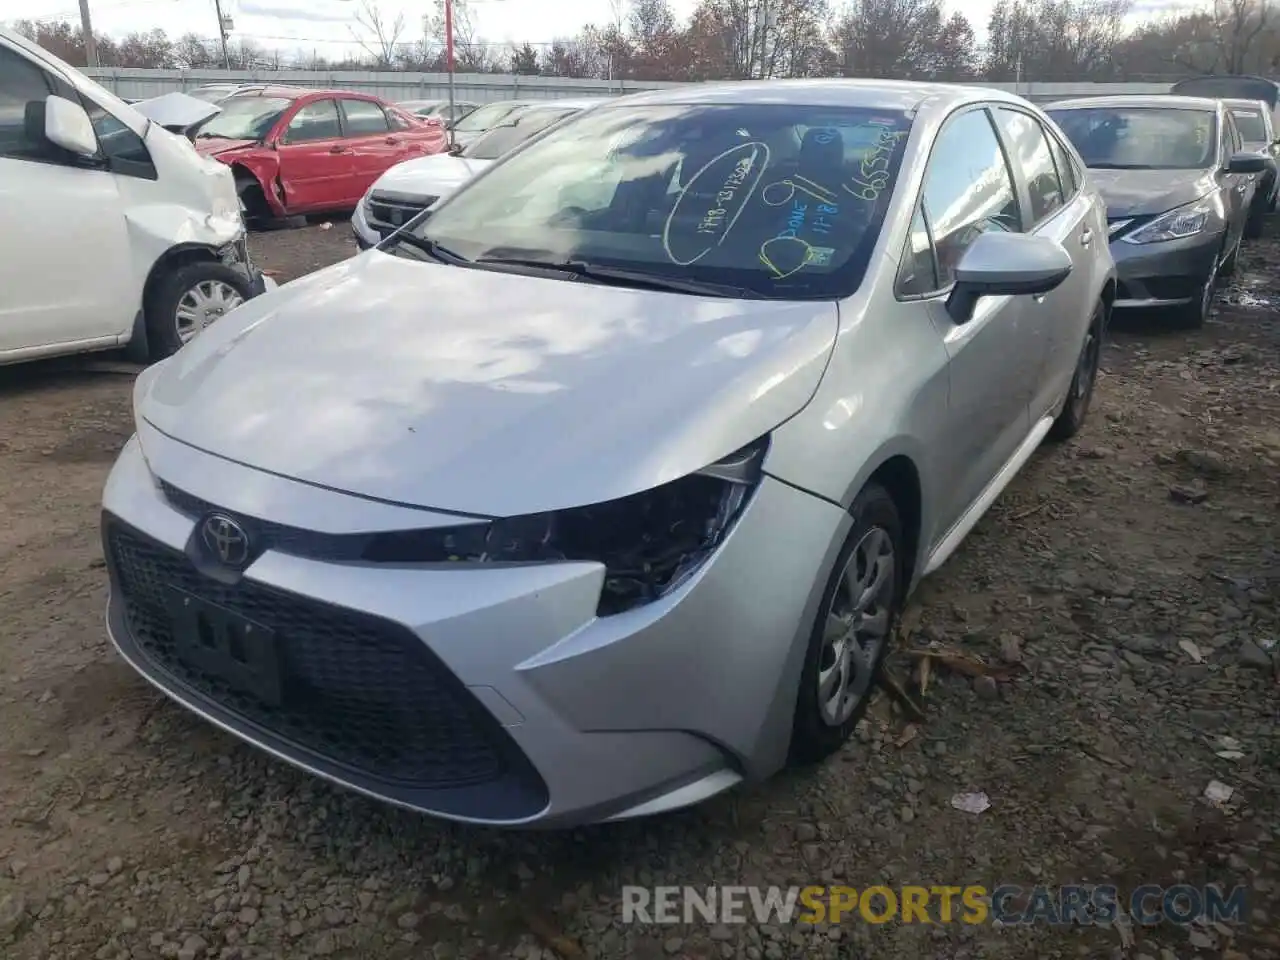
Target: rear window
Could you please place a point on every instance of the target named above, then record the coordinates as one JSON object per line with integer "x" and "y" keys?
{"x": 509, "y": 134}
{"x": 1141, "y": 138}
{"x": 486, "y": 117}
{"x": 781, "y": 199}
{"x": 244, "y": 118}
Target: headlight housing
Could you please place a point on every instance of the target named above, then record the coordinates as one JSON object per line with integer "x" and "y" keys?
{"x": 1177, "y": 224}
{"x": 649, "y": 542}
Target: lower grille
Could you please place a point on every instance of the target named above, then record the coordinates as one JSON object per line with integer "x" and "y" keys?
{"x": 387, "y": 215}
{"x": 360, "y": 692}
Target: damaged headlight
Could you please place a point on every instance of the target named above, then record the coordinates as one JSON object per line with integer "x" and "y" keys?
{"x": 649, "y": 542}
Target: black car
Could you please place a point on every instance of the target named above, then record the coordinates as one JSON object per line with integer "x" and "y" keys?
{"x": 1178, "y": 184}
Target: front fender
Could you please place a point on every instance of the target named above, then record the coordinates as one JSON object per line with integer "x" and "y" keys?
{"x": 265, "y": 168}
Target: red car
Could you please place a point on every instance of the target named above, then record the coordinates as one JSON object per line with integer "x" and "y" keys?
{"x": 296, "y": 150}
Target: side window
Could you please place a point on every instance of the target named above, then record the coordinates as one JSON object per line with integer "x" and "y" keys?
{"x": 918, "y": 274}
{"x": 1224, "y": 139}
{"x": 363, "y": 119}
{"x": 23, "y": 88}
{"x": 968, "y": 190}
{"x": 1032, "y": 156}
{"x": 315, "y": 121}
{"x": 1237, "y": 140}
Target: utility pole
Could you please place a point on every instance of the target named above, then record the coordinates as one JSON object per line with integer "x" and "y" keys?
{"x": 448, "y": 56}
{"x": 90, "y": 41}
{"x": 222, "y": 32}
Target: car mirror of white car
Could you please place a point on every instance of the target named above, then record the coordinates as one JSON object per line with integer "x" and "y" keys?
{"x": 1006, "y": 264}
{"x": 67, "y": 125}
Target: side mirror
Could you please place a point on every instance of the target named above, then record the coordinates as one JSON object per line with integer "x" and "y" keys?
{"x": 1247, "y": 163}
{"x": 1006, "y": 264}
{"x": 67, "y": 125}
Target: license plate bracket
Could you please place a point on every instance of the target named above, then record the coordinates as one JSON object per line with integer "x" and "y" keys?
{"x": 220, "y": 642}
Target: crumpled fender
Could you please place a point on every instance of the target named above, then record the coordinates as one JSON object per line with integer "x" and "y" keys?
{"x": 155, "y": 229}
{"x": 265, "y": 166}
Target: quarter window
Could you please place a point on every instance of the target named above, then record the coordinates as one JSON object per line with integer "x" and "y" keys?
{"x": 968, "y": 190}
{"x": 1033, "y": 157}
{"x": 363, "y": 118}
{"x": 1066, "y": 168}
{"x": 315, "y": 121}
{"x": 918, "y": 274}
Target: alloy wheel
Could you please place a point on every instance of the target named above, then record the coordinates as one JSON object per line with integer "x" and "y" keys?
{"x": 857, "y": 626}
{"x": 202, "y": 305}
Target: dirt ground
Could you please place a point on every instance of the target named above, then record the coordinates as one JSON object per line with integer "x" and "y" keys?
{"x": 1126, "y": 583}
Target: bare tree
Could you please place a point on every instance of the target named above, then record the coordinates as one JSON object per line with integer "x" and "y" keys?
{"x": 378, "y": 35}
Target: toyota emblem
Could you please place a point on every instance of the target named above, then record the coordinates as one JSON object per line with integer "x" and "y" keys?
{"x": 226, "y": 539}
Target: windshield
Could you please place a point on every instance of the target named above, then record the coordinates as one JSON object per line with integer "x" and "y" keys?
{"x": 1141, "y": 138}
{"x": 244, "y": 118}
{"x": 1253, "y": 129}
{"x": 510, "y": 134}
{"x": 486, "y": 117}
{"x": 777, "y": 200}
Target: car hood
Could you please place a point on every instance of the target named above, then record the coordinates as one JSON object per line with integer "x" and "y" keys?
{"x": 432, "y": 176}
{"x": 177, "y": 111}
{"x": 1139, "y": 193}
{"x": 487, "y": 393}
{"x": 214, "y": 146}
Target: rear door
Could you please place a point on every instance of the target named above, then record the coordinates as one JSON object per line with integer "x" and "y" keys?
{"x": 374, "y": 145}
{"x": 317, "y": 166}
{"x": 1059, "y": 211}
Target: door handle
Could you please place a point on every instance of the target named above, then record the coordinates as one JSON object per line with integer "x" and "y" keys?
{"x": 1086, "y": 237}
{"x": 1038, "y": 297}
{"x": 392, "y": 140}
{"x": 338, "y": 149}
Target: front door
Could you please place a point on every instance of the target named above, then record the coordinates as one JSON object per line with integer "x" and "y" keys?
{"x": 995, "y": 357}
{"x": 65, "y": 273}
{"x": 317, "y": 165}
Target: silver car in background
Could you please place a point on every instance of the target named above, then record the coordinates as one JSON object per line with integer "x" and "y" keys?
{"x": 598, "y": 488}
{"x": 1178, "y": 185}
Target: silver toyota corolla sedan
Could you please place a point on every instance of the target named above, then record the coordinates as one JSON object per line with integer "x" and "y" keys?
{"x": 596, "y": 489}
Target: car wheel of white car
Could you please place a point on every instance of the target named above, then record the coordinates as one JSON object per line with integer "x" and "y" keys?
{"x": 858, "y": 613}
{"x": 188, "y": 300}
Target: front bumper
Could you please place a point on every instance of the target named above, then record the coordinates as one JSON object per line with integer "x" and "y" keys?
{"x": 1168, "y": 274}
{"x": 366, "y": 236}
{"x": 484, "y": 695}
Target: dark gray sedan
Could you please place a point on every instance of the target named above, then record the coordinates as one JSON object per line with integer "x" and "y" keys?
{"x": 1178, "y": 185}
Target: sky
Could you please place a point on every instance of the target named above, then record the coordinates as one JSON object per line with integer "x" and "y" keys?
{"x": 326, "y": 26}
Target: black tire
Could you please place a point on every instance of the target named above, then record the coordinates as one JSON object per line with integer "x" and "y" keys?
{"x": 813, "y": 736}
{"x": 253, "y": 203}
{"x": 1257, "y": 222}
{"x": 1229, "y": 265}
{"x": 161, "y": 308}
{"x": 1080, "y": 394}
{"x": 1193, "y": 316}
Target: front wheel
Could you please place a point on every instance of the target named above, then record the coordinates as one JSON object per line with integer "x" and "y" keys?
{"x": 188, "y": 300}
{"x": 1194, "y": 315}
{"x": 854, "y": 626}
{"x": 1080, "y": 394}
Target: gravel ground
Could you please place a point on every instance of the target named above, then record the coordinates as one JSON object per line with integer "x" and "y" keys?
{"x": 1125, "y": 583}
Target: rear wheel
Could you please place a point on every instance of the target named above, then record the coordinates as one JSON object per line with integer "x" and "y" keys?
{"x": 853, "y": 630}
{"x": 1080, "y": 395}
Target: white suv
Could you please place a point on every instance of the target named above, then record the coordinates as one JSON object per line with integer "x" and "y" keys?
{"x": 118, "y": 234}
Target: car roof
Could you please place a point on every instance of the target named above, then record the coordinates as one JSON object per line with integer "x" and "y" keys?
{"x": 836, "y": 92}
{"x": 293, "y": 93}
{"x": 1246, "y": 102}
{"x": 572, "y": 103}
{"x": 1166, "y": 100}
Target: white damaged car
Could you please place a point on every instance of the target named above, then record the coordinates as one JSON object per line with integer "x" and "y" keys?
{"x": 128, "y": 238}
{"x": 408, "y": 188}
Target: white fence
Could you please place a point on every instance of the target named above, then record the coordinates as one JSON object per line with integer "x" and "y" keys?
{"x": 484, "y": 87}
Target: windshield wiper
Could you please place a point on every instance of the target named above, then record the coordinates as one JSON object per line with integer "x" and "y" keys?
{"x": 622, "y": 277}
{"x": 430, "y": 247}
